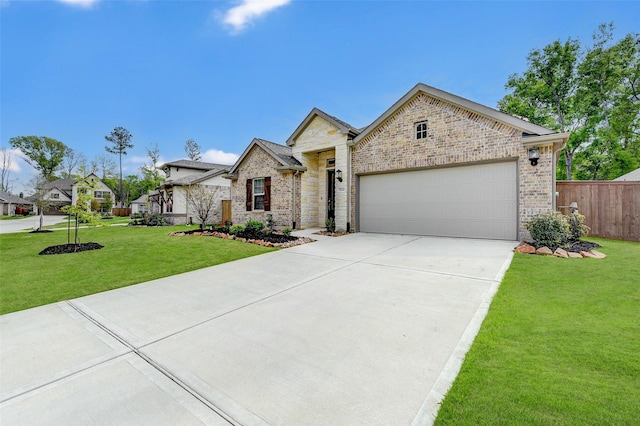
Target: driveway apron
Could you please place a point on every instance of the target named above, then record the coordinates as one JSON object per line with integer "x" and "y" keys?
{"x": 363, "y": 329}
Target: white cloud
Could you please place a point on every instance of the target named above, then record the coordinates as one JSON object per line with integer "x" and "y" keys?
{"x": 240, "y": 16}
{"x": 219, "y": 157}
{"x": 80, "y": 3}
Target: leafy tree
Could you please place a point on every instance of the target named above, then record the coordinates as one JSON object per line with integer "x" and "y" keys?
{"x": 592, "y": 92}
{"x": 545, "y": 92}
{"x": 192, "y": 150}
{"x": 205, "y": 203}
{"x": 120, "y": 140}
{"x": 43, "y": 153}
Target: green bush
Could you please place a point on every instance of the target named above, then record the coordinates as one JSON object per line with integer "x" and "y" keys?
{"x": 154, "y": 219}
{"x": 236, "y": 229}
{"x": 549, "y": 229}
{"x": 286, "y": 231}
{"x": 330, "y": 224}
{"x": 577, "y": 228}
{"x": 254, "y": 226}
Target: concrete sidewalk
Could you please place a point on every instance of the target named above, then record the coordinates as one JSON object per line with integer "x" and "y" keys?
{"x": 361, "y": 329}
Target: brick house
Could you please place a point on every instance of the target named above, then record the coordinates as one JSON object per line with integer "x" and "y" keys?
{"x": 266, "y": 181}
{"x": 432, "y": 164}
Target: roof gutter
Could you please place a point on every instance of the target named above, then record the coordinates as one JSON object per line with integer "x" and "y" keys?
{"x": 291, "y": 168}
{"x": 558, "y": 140}
{"x": 230, "y": 176}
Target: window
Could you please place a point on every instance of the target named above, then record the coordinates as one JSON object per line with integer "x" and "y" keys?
{"x": 258, "y": 194}
{"x": 421, "y": 130}
{"x": 55, "y": 196}
{"x": 331, "y": 163}
{"x": 100, "y": 194}
{"x": 170, "y": 202}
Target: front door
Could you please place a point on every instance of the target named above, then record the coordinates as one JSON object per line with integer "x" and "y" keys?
{"x": 331, "y": 194}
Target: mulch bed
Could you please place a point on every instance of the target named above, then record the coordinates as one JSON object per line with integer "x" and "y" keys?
{"x": 269, "y": 240}
{"x": 40, "y": 231}
{"x": 331, "y": 234}
{"x": 70, "y": 248}
{"x": 574, "y": 246}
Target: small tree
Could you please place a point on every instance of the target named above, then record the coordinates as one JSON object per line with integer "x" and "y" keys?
{"x": 81, "y": 210}
{"x": 204, "y": 202}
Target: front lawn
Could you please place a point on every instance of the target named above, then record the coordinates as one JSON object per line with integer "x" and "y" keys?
{"x": 560, "y": 345}
{"x": 130, "y": 255}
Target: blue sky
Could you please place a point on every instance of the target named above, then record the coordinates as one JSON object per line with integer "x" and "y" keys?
{"x": 224, "y": 72}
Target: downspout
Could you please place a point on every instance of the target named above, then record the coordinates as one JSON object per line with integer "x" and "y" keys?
{"x": 293, "y": 209}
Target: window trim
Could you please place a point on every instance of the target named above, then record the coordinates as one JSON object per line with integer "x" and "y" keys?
{"x": 256, "y": 194}
{"x": 421, "y": 130}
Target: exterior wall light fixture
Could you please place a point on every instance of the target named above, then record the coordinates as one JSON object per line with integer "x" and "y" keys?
{"x": 339, "y": 175}
{"x": 534, "y": 155}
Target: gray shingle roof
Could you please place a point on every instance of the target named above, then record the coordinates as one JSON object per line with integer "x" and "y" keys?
{"x": 61, "y": 184}
{"x": 196, "y": 165}
{"x": 8, "y": 198}
{"x": 631, "y": 176}
{"x": 284, "y": 153}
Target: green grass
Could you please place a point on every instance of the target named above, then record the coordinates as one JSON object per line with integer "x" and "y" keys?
{"x": 108, "y": 222}
{"x": 560, "y": 345}
{"x": 5, "y": 217}
{"x": 130, "y": 255}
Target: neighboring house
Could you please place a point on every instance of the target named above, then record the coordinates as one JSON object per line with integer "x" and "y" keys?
{"x": 10, "y": 204}
{"x": 58, "y": 194}
{"x": 432, "y": 164}
{"x": 140, "y": 205}
{"x": 172, "y": 193}
{"x": 632, "y": 176}
{"x": 64, "y": 192}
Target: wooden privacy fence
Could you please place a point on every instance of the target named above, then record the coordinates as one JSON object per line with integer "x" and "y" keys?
{"x": 611, "y": 209}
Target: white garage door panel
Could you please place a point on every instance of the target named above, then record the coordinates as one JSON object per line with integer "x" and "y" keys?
{"x": 478, "y": 201}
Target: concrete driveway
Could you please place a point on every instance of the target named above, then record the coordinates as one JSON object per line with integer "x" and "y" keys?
{"x": 363, "y": 329}
{"x": 28, "y": 223}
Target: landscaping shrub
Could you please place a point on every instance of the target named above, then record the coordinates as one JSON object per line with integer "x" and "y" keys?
{"x": 549, "y": 229}
{"x": 153, "y": 219}
{"x": 577, "y": 228}
{"x": 330, "y": 224}
{"x": 236, "y": 229}
{"x": 254, "y": 226}
{"x": 286, "y": 231}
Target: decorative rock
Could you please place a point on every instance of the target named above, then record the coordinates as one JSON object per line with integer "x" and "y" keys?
{"x": 525, "y": 248}
{"x": 561, "y": 253}
{"x": 574, "y": 255}
{"x": 178, "y": 234}
{"x": 545, "y": 251}
{"x": 588, "y": 254}
{"x": 196, "y": 234}
{"x": 597, "y": 254}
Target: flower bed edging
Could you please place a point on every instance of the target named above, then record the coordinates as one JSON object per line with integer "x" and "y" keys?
{"x": 297, "y": 242}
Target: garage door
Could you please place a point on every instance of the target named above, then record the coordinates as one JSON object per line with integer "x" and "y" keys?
{"x": 478, "y": 201}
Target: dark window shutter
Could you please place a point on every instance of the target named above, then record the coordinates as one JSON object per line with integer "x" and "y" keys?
{"x": 267, "y": 194}
{"x": 249, "y": 201}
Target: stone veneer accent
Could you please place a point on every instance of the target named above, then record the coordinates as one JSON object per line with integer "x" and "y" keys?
{"x": 319, "y": 141}
{"x": 456, "y": 136}
{"x": 258, "y": 164}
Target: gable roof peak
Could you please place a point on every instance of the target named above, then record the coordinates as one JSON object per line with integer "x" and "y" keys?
{"x": 344, "y": 127}
{"x": 518, "y": 123}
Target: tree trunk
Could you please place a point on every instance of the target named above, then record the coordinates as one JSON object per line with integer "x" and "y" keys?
{"x": 568, "y": 158}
